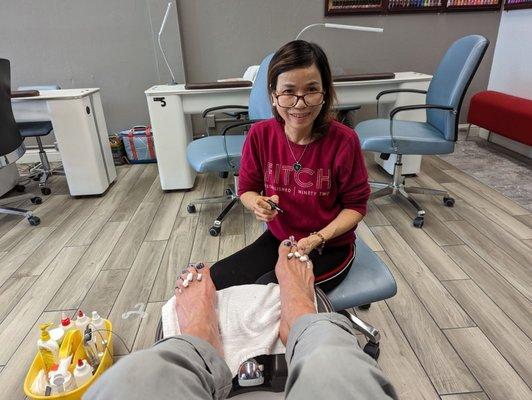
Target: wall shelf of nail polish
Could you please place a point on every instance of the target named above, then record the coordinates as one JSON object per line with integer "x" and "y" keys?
{"x": 412, "y": 6}
{"x": 517, "y": 4}
{"x": 473, "y": 5}
{"x": 348, "y": 7}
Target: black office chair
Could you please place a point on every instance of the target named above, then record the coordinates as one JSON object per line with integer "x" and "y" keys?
{"x": 12, "y": 144}
{"x": 42, "y": 170}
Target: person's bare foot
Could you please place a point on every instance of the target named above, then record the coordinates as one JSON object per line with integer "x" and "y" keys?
{"x": 195, "y": 306}
{"x": 296, "y": 282}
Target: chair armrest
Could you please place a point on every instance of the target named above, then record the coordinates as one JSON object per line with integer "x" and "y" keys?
{"x": 420, "y": 107}
{"x": 384, "y": 92}
{"x": 227, "y": 107}
{"x": 224, "y": 131}
{"x": 414, "y": 107}
{"x": 243, "y": 123}
{"x": 236, "y": 114}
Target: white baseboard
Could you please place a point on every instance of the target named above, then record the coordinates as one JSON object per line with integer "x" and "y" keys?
{"x": 505, "y": 142}
{"x": 32, "y": 156}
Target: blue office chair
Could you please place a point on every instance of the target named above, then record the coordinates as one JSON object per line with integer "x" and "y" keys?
{"x": 12, "y": 144}
{"x": 222, "y": 153}
{"x": 43, "y": 170}
{"x": 436, "y": 136}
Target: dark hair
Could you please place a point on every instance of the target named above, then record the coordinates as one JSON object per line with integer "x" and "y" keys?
{"x": 302, "y": 54}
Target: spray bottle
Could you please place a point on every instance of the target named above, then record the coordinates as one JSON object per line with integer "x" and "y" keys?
{"x": 48, "y": 348}
{"x": 90, "y": 349}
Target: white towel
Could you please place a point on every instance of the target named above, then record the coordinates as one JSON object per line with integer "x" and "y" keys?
{"x": 248, "y": 317}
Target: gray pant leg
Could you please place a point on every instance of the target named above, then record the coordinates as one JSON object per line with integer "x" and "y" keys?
{"x": 326, "y": 362}
{"x": 183, "y": 367}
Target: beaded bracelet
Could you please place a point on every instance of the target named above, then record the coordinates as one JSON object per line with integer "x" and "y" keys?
{"x": 322, "y": 244}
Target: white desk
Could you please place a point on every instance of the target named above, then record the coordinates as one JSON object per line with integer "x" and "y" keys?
{"x": 81, "y": 133}
{"x": 170, "y": 107}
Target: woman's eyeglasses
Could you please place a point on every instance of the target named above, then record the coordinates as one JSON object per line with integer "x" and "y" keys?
{"x": 290, "y": 100}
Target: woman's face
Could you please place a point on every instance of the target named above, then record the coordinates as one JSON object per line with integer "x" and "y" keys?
{"x": 301, "y": 81}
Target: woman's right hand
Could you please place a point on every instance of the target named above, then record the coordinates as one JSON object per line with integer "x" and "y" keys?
{"x": 263, "y": 210}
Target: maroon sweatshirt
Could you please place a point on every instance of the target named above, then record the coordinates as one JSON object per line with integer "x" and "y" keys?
{"x": 332, "y": 177}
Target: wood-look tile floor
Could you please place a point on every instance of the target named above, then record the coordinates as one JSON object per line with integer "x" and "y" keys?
{"x": 459, "y": 328}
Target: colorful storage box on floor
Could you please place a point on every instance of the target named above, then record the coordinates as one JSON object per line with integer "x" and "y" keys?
{"x": 138, "y": 142}
{"x": 79, "y": 352}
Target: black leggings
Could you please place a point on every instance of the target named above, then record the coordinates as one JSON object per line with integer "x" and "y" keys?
{"x": 255, "y": 264}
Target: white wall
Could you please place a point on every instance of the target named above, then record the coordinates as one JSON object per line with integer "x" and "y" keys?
{"x": 511, "y": 71}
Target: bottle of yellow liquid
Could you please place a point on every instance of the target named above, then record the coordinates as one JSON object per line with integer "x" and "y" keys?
{"x": 48, "y": 348}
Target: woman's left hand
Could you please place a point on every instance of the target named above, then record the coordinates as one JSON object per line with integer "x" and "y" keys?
{"x": 307, "y": 244}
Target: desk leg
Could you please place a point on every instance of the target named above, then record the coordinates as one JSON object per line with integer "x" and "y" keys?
{"x": 101, "y": 128}
{"x": 78, "y": 133}
{"x": 411, "y": 163}
{"x": 172, "y": 132}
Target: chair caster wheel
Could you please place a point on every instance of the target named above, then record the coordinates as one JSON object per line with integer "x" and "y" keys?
{"x": 36, "y": 200}
{"x": 215, "y": 230}
{"x": 191, "y": 208}
{"x": 20, "y": 188}
{"x": 365, "y": 306}
{"x": 372, "y": 349}
{"x": 46, "y": 191}
{"x": 448, "y": 201}
{"x": 34, "y": 221}
{"x": 418, "y": 222}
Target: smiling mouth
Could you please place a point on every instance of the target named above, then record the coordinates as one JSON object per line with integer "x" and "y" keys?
{"x": 300, "y": 116}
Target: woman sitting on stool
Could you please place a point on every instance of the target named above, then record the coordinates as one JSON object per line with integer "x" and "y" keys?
{"x": 306, "y": 164}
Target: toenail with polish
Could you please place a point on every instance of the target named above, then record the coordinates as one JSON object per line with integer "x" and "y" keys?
{"x": 297, "y": 254}
{"x": 290, "y": 256}
{"x": 303, "y": 258}
{"x": 199, "y": 277}
{"x": 199, "y": 265}
{"x": 189, "y": 276}
{"x": 185, "y": 283}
